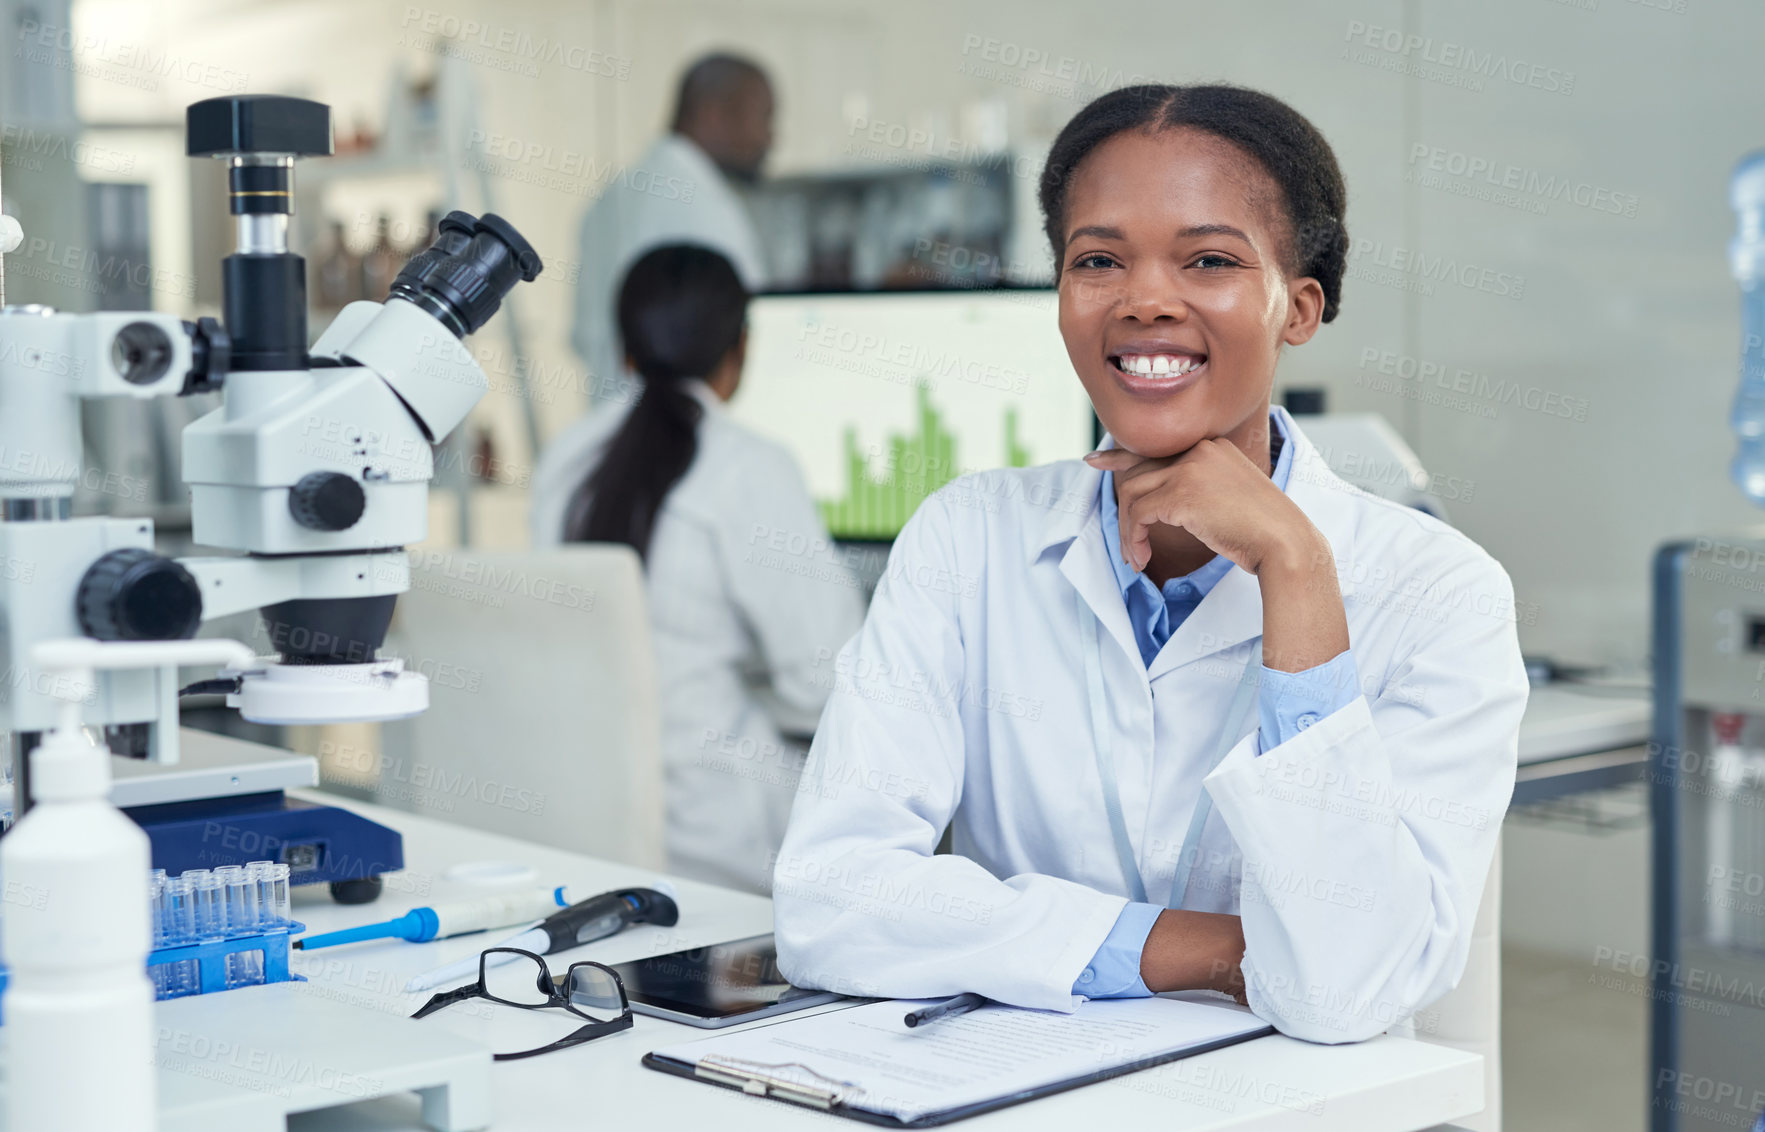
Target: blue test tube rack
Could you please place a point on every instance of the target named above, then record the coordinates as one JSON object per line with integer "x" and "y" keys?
{"x": 230, "y": 929}
{"x": 210, "y": 956}
{"x": 217, "y": 929}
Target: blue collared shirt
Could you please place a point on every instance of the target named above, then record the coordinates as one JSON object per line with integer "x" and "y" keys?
{"x": 1287, "y": 702}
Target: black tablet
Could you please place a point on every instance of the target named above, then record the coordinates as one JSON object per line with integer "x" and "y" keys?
{"x": 718, "y": 985}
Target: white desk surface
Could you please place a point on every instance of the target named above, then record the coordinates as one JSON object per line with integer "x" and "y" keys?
{"x": 1273, "y": 1083}
{"x": 1561, "y": 722}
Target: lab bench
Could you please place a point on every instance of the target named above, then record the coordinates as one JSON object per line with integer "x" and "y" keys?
{"x": 1576, "y": 738}
{"x": 354, "y": 1083}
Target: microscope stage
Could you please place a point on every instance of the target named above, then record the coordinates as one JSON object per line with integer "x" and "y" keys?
{"x": 209, "y": 766}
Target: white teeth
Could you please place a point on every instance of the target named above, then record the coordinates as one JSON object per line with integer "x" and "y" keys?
{"x": 1169, "y": 365}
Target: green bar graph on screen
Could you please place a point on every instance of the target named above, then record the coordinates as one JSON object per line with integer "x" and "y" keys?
{"x": 880, "y": 499}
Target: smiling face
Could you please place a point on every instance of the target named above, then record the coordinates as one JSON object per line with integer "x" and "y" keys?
{"x": 1174, "y": 292}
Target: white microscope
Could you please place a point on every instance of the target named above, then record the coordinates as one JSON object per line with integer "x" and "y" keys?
{"x": 313, "y": 475}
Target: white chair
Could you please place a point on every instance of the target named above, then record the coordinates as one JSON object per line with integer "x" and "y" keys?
{"x": 543, "y": 720}
{"x": 1468, "y": 1017}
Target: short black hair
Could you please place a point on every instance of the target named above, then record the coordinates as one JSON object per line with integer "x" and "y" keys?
{"x": 1287, "y": 147}
{"x": 714, "y": 78}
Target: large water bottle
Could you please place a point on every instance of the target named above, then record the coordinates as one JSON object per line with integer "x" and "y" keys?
{"x": 1746, "y": 255}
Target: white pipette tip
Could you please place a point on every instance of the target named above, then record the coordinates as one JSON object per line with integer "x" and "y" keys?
{"x": 429, "y": 981}
{"x": 666, "y": 889}
{"x": 530, "y": 940}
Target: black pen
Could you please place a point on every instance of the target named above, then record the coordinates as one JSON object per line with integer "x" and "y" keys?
{"x": 960, "y": 1004}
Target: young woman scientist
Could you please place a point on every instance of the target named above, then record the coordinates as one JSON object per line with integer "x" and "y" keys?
{"x": 744, "y": 634}
{"x": 1199, "y": 713}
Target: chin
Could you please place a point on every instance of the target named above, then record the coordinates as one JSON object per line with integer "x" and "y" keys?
{"x": 1156, "y": 443}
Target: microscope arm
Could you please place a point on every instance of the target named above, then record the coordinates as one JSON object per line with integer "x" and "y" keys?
{"x": 240, "y": 583}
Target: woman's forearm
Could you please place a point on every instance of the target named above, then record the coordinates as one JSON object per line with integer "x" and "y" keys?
{"x": 1303, "y": 621}
{"x": 1194, "y": 951}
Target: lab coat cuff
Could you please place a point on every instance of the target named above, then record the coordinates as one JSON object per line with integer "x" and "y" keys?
{"x": 1291, "y": 702}
{"x": 1243, "y": 771}
{"x": 1114, "y": 972}
{"x": 1083, "y": 941}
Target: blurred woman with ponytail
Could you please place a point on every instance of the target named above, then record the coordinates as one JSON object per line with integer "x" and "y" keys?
{"x": 744, "y": 634}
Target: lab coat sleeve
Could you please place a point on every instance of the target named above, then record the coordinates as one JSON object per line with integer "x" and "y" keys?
{"x": 1367, "y": 837}
{"x": 790, "y": 583}
{"x": 861, "y": 903}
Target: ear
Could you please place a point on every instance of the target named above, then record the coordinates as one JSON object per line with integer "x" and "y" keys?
{"x": 1305, "y": 311}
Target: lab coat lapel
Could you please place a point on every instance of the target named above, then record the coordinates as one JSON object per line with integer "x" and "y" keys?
{"x": 1229, "y": 615}
{"x": 1086, "y": 566}
{"x": 1085, "y": 561}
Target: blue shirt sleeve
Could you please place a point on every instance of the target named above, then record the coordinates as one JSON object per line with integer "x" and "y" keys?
{"x": 1114, "y": 972}
{"x": 1290, "y": 702}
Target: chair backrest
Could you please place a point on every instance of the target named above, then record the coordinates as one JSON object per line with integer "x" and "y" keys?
{"x": 543, "y": 720}
{"x": 1468, "y": 1017}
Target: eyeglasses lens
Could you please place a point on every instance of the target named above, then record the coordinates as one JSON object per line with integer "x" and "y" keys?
{"x": 594, "y": 992}
{"x": 516, "y": 982}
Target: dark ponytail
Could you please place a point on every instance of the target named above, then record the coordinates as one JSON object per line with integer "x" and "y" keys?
{"x": 681, "y": 310}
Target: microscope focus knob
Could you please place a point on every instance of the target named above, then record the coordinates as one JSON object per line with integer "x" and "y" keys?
{"x": 327, "y": 501}
{"x": 135, "y": 595}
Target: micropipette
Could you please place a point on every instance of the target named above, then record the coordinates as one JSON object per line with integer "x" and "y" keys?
{"x": 594, "y": 918}
{"x": 441, "y": 921}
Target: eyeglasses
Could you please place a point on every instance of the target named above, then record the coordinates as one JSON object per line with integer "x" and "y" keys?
{"x": 521, "y": 978}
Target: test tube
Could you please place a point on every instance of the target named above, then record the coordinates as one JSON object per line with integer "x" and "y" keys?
{"x": 228, "y": 878}
{"x": 156, "y": 917}
{"x": 211, "y": 908}
{"x": 180, "y": 907}
{"x": 244, "y": 968}
{"x": 242, "y": 901}
{"x": 156, "y": 901}
{"x": 279, "y": 889}
{"x": 257, "y": 874}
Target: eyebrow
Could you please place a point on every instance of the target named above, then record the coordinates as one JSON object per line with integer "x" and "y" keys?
{"x": 1105, "y": 232}
{"x": 1214, "y": 230}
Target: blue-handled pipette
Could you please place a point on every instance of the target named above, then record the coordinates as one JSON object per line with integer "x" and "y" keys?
{"x": 420, "y": 925}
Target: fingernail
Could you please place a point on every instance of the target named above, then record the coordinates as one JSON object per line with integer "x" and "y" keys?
{"x": 1093, "y": 455}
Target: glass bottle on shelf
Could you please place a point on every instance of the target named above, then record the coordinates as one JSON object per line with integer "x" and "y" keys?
{"x": 338, "y": 275}
{"x": 380, "y": 265}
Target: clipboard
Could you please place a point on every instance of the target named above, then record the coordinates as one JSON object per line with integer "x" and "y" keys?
{"x": 802, "y": 1083}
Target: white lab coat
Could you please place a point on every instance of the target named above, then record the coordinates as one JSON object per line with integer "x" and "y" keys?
{"x": 673, "y": 194}
{"x": 1355, "y": 852}
{"x": 749, "y": 604}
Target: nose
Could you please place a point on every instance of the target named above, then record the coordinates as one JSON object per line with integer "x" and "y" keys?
{"x": 1149, "y": 293}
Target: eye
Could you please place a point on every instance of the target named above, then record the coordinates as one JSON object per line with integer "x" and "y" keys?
{"x": 1213, "y": 261}
{"x": 1094, "y": 260}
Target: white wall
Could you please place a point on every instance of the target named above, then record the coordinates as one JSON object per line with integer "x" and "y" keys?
{"x": 1627, "y": 320}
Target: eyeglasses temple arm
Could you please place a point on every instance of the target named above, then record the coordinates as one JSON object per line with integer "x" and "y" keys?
{"x": 448, "y": 998}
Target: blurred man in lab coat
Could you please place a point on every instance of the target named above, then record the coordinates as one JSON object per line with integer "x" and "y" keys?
{"x": 681, "y": 191}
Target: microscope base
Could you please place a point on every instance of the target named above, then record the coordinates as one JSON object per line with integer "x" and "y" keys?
{"x": 224, "y": 803}
{"x": 319, "y": 844}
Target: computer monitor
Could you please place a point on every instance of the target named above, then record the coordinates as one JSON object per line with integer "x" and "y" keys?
{"x": 884, "y": 397}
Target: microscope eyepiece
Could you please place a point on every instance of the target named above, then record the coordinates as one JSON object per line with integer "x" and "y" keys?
{"x": 461, "y": 278}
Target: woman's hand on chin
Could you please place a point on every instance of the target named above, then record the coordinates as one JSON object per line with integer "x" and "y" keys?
{"x": 1215, "y": 493}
